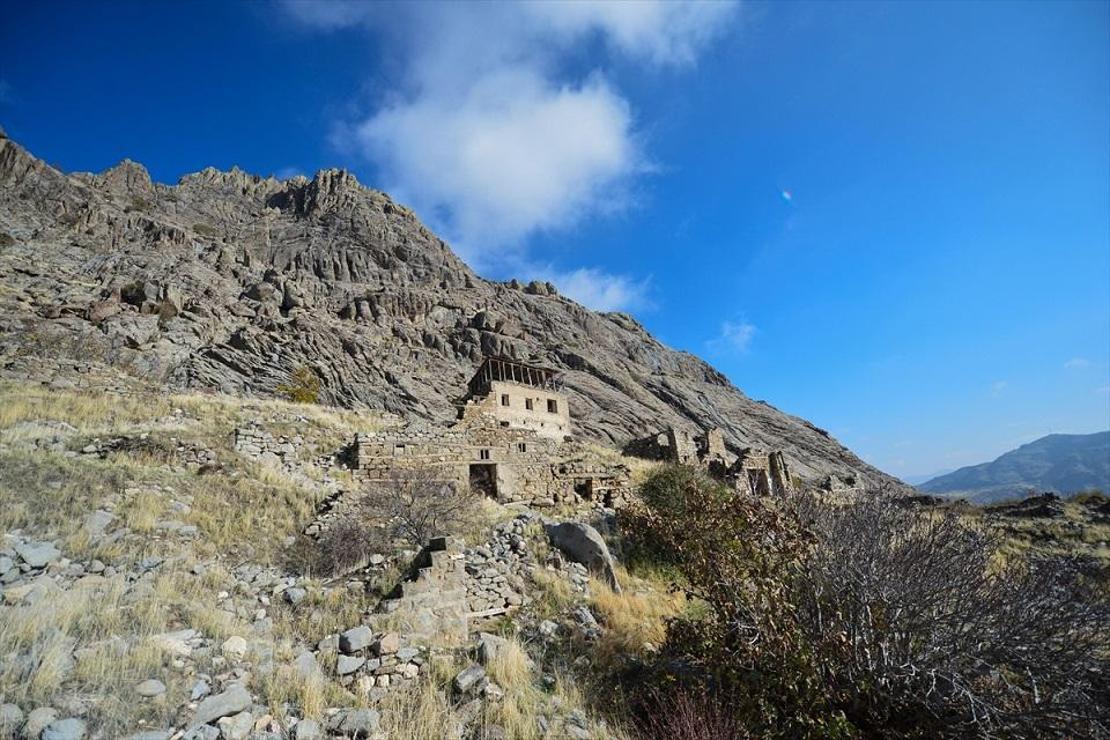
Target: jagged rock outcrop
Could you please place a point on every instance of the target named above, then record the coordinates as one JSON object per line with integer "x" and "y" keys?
{"x": 232, "y": 281}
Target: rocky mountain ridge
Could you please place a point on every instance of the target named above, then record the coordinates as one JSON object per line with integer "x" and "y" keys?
{"x": 231, "y": 281}
{"x": 1057, "y": 463}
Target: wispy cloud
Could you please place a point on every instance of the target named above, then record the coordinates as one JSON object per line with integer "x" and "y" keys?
{"x": 998, "y": 387}
{"x": 1077, "y": 363}
{"x": 487, "y": 132}
{"x": 287, "y": 172}
{"x": 600, "y": 290}
{"x": 735, "y": 336}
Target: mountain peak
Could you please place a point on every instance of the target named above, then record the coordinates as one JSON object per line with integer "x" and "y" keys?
{"x": 232, "y": 281}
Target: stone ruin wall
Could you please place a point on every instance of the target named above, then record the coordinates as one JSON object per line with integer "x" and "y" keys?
{"x": 529, "y": 468}
{"x": 752, "y": 471}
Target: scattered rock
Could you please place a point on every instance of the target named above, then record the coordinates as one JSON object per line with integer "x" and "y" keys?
{"x": 150, "y": 688}
{"x": 234, "y": 647}
{"x": 38, "y": 554}
{"x": 295, "y": 595}
{"x": 469, "y": 679}
{"x": 232, "y": 701}
{"x": 176, "y": 643}
{"x": 307, "y": 729}
{"x": 200, "y": 690}
{"x": 348, "y": 664}
{"x": 356, "y": 639}
{"x": 490, "y": 646}
{"x": 236, "y": 727}
{"x": 65, "y": 729}
{"x": 388, "y": 644}
{"x": 357, "y": 723}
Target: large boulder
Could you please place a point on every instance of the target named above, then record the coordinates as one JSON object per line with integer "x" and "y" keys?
{"x": 583, "y": 544}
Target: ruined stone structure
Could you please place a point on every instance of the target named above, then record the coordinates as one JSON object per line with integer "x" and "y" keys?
{"x": 519, "y": 396}
{"x": 431, "y": 599}
{"x": 753, "y": 471}
{"x": 511, "y": 453}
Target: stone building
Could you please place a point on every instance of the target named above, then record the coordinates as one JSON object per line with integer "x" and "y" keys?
{"x": 753, "y": 471}
{"x": 511, "y": 442}
{"x": 519, "y": 396}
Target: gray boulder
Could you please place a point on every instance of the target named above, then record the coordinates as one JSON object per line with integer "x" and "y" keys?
{"x": 38, "y": 720}
{"x": 38, "y": 554}
{"x": 236, "y": 699}
{"x": 150, "y": 688}
{"x": 490, "y": 646}
{"x": 583, "y": 544}
{"x": 348, "y": 664}
{"x": 11, "y": 717}
{"x": 65, "y": 729}
{"x": 356, "y": 723}
{"x": 469, "y": 680}
{"x": 307, "y": 729}
{"x": 355, "y": 639}
{"x": 236, "y": 727}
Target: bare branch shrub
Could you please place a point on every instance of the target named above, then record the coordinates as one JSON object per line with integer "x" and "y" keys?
{"x": 918, "y": 622}
{"x": 415, "y": 504}
{"x": 681, "y": 714}
{"x": 857, "y": 616}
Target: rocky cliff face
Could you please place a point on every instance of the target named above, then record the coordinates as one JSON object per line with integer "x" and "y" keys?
{"x": 231, "y": 281}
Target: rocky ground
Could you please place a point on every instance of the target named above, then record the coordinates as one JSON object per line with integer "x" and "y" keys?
{"x": 146, "y": 588}
{"x": 233, "y": 282}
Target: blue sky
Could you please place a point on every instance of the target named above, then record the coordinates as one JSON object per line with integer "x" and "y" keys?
{"x": 891, "y": 219}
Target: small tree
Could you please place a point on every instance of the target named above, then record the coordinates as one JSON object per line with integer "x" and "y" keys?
{"x": 415, "y": 504}
{"x": 303, "y": 386}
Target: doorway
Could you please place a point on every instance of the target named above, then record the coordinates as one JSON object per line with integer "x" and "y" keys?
{"x": 483, "y": 479}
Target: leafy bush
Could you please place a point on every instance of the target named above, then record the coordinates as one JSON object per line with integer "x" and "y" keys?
{"x": 863, "y": 617}
{"x": 303, "y": 386}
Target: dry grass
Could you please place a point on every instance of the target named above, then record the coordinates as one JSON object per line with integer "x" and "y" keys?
{"x": 553, "y": 595}
{"x": 636, "y": 618}
{"x": 242, "y": 511}
{"x": 91, "y": 639}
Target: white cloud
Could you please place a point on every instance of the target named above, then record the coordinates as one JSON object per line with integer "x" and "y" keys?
{"x": 1077, "y": 363}
{"x": 998, "y": 387}
{"x": 512, "y": 156}
{"x": 600, "y": 290}
{"x": 736, "y": 336}
{"x": 486, "y": 133}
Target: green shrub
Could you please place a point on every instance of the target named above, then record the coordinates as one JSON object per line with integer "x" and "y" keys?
{"x": 303, "y": 386}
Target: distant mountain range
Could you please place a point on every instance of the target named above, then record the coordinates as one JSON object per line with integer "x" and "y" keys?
{"x": 1061, "y": 463}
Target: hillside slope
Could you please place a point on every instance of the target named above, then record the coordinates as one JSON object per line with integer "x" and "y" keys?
{"x": 1062, "y": 463}
{"x": 231, "y": 281}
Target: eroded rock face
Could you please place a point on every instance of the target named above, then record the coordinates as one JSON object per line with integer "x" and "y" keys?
{"x": 229, "y": 281}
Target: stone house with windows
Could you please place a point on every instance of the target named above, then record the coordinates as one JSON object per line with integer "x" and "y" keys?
{"x": 511, "y": 442}
{"x": 518, "y": 396}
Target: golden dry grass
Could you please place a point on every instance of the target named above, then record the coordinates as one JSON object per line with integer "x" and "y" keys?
{"x": 635, "y": 620}
{"x": 242, "y": 511}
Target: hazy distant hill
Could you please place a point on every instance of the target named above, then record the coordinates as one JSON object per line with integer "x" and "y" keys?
{"x": 1063, "y": 463}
